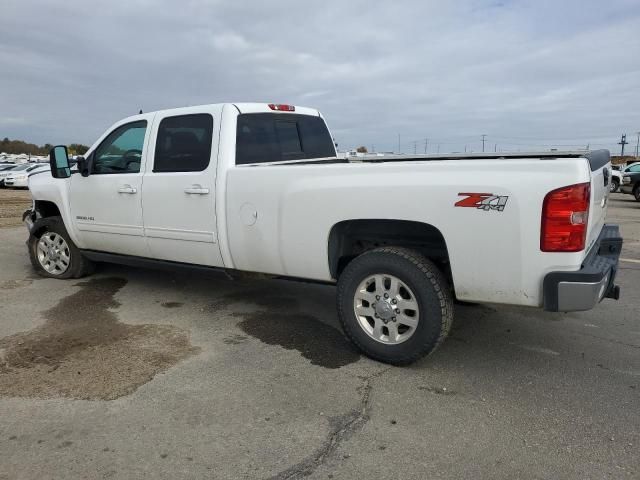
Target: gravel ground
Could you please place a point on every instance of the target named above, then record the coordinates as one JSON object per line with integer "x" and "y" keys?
{"x": 134, "y": 373}
{"x": 12, "y": 203}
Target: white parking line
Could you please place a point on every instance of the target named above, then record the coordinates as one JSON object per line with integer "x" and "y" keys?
{"x": 630, "y": 260}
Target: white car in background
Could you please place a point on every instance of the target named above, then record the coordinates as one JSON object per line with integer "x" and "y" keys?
{"x": 19, "y": 178}
{"x": 4, "y": 173}
{"x": 616, "y": 175}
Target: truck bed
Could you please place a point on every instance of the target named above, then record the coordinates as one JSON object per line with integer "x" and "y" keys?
{"x": 597, "y": 158}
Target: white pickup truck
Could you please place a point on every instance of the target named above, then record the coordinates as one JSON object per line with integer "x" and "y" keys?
{"x": 259, "y": 188}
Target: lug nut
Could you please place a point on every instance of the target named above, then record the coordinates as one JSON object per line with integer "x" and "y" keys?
{"x": 394, "y": 301}
{"x": 386, "y": 295}
{"x": 377, "y": 297}
{"x": 393, "y": 318}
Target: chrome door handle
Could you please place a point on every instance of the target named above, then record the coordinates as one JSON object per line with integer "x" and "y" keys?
{"x": 127, "y": 189}
{"x": 196, "y": 190}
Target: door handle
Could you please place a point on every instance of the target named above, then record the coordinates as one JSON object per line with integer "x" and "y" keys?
{"x": 127, "y": 189}
{"x": 196, "y": 190}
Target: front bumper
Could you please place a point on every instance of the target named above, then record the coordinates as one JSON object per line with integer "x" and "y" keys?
{"x": 582, "y": 290}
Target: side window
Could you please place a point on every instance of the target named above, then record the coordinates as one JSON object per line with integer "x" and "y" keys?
{"x": 184, "y": 143}
{"x": 273, "y": 137}
{"x": 121, "y": 151}
{"x": 634, "y": 168}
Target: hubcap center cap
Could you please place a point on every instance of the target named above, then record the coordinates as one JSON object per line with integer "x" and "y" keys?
{"x": 384, "y": 309}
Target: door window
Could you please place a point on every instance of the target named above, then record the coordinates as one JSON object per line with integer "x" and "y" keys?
{"x": 121, "y": 151}
{"x": 184, "y": 143}
{"x": 634, "y": 168}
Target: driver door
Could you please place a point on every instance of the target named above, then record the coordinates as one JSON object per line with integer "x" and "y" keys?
{"x": 106, "y": 206}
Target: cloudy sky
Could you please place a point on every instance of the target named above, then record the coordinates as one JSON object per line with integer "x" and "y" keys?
{"x": 528, "y": 74}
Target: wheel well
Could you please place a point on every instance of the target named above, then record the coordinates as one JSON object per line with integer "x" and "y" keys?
{"x": 350, "y": 238}
{"x": 46, "y": 209}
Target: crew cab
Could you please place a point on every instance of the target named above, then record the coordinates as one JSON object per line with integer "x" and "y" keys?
{"x": 259, "y": 188}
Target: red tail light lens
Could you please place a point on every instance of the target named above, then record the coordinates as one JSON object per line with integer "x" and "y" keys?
{"x": 282, "y": 108}
{"x": 565, "y": 212}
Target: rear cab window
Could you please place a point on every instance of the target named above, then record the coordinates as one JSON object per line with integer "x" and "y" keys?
{"x": 273, "y": 137}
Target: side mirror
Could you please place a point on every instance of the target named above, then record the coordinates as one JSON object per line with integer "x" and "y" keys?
{"x": 59, "y": 161}
{"x": 83, "y": 166}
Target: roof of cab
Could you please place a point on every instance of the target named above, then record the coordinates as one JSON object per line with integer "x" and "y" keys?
{"x": 264, "y": 108}
{"x": 242, "y": 108}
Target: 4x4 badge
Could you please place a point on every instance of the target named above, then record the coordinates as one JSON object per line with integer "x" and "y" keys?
{"x": 483, "y": 201}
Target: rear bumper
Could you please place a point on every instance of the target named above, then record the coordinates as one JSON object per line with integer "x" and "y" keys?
{"x": 582, "y": 290}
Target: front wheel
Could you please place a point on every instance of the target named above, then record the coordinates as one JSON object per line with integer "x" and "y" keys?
{"x": 394, "y": 304}
{"x": 615, "y": 184}
{"x": 53, "y": 254}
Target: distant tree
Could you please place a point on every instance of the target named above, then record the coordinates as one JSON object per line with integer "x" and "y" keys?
{"x": 77, "y": 149}
{"x": 20, "y": 146}
{"x": 362, "y": 149}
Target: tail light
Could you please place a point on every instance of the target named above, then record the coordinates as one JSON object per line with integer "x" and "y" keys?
{"x": 565, "y": 212}
{"x": 282, "y": 108}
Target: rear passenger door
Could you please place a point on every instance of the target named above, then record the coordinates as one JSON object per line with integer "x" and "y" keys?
{"x": 179, "y": 188}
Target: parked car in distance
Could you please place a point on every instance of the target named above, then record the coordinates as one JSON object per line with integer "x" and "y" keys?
{"x": 617, "y": 173}
{"x": 631, "y": 182}
{"x": 12, "y": 169}
{"x": 259, "y": 187}
{"x": 20, "y": 178}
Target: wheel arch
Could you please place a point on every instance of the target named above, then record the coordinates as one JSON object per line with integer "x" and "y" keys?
{"x": 350, "y": 238}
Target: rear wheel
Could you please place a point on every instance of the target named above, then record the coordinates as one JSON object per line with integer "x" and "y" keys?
{"x": 394, "y": 304}
{"x": 53, "y": 254}
{"x": 636, "y": 192}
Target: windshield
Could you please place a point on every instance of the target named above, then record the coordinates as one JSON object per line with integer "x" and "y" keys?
{"x": 19, "y": 167}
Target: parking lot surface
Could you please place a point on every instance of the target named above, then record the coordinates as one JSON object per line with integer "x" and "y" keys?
{"x": 136, "y": 373}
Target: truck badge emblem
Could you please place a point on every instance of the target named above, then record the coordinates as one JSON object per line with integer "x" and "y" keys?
{"x": 483, "y": 201}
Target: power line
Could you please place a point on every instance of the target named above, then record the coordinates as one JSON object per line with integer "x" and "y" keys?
{"x": 623, "y": 142}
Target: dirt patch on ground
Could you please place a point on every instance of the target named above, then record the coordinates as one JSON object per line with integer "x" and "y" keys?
{"x": 12, "y": 205}
{"x": 83, "y": 351}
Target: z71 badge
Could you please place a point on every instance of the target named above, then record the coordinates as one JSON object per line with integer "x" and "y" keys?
{"x": 483, "y": 201}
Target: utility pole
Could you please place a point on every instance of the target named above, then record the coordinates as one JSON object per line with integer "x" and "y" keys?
{"x": 399, "y": 150}
{"x": 495, "y": 147}
{"x": 438, "y": 148}
{"x": 484, "y": 135}
{"x": 623, "y": 142}
{"x": 415, "y": 147}
{"x": 426, "y": 144}
{"x": 638, "y": 146}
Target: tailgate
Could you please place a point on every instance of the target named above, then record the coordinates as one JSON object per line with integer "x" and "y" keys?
{"x": 600, "y": 164}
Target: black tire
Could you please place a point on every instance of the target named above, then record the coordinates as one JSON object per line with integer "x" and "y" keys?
{"x": 615, "y": 185}
{"x": 79, "y": 265}
{"x": 636, "y": 192}
{"x": 428, "y": 285}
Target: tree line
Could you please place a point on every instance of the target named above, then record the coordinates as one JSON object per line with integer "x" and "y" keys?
{"x": 20, "y": 146}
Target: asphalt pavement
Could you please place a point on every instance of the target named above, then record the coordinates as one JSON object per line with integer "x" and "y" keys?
{"x": 136, "y": 373}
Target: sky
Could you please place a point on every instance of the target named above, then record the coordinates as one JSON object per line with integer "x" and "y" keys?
{"x": 530, "y": 75}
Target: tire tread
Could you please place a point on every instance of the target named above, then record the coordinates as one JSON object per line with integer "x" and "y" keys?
{"x": 437, "y": 281}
